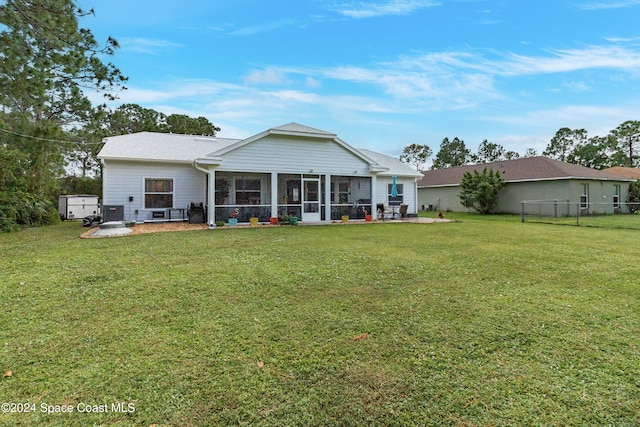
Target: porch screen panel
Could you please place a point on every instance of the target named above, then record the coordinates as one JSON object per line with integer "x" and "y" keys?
{"x": 248, "y": 191}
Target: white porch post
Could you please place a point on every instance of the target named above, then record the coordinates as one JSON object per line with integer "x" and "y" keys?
{"x": 274, "y": 194}
{"x": 415, "y": 186}
{"x": 374, "y": 202}
{"x": 211, "y": 209}
{"x": 327, "y": 197}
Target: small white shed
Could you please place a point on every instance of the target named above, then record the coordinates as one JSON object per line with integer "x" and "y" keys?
{"x": 77, "y": 206}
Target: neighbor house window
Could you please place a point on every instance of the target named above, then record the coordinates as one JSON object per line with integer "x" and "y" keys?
{"x": 247, "y": 191}
{"x": 584, "y": 197}
{"x": 393, "y": 201}
{"x": 616, "y": 196}
{"x": 158, "y": 193}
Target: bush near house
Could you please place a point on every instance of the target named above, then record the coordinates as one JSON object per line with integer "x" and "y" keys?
{"x": 634, "y": 197}
{"x": 480, "y": 190}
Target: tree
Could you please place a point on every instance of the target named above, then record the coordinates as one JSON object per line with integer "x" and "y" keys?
{"x": 531, "y": 152}
{"x": 627, "y": 136}
{"x": 489, "y": 152}
{"x": 183, "y": 124}
{"x": 451, "y": 154}
{"x": 511, "y": 155}
{"x": 597, "y": 152}
{"x": 634, "y": 197}
{"x": 47, "y": 63}
{"x": 132, "y": 118}
{"x": 416, "y": 155}
{"x": 564, "y": 142}
{"x": 480, "y": 190}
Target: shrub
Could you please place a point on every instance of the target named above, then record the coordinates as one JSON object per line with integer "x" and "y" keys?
{"x": 634, "y": 197}
{"x": 480, "y": 190}
{"x": 20, "y": 209}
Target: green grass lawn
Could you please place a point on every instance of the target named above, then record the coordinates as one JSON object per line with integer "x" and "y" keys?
{"x": 482, "y": 322}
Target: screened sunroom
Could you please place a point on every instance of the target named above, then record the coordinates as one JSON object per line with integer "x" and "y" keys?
{"x": 305, "y": 196}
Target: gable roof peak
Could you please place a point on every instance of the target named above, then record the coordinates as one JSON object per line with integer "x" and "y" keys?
{"x": 296, "y": 128}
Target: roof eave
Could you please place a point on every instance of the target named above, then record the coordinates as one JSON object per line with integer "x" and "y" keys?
{"x": 305, "y": 134}
{"x": 209, "y": 161}
{"x": 144, "y": 159}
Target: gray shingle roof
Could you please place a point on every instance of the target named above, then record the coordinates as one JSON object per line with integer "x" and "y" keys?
{"x": 524, "y": 169}
{"x": 623, "y": 171}
{"x": 161, "y": 147}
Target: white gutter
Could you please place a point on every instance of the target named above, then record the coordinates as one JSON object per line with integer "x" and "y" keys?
{"x": 200, "y": 168}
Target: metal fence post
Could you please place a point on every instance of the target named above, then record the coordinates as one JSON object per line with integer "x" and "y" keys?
{"x": 522, "y": 211}
{"x": 578, "y": 214}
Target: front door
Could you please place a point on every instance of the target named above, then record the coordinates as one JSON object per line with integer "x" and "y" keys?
{"x": 311, "y": 199}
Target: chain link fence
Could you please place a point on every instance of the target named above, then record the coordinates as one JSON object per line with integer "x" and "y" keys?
{"x": 583, "y": 213}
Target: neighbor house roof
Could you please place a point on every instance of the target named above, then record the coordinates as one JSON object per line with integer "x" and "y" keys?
{"x": 518, "y": 170}
{"x": 626, "y": 172}
{"x": 159, "y": 147}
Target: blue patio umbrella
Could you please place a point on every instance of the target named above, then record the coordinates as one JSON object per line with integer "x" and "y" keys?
{"x": 394, "y": 188}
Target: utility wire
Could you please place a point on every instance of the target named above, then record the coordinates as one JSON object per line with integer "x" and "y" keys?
{"x": 45, "y": 139}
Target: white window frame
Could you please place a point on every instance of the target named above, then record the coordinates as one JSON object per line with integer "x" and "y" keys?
{"x": 616, "y": 196}
{"x": 145, "y": 192}
{"x": 584, "y": 197}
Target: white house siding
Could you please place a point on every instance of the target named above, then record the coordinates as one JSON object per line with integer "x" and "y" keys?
{"x": 290, "y": 155}
{"x": 122, "y": 179}
{"x": 409, "y": 193}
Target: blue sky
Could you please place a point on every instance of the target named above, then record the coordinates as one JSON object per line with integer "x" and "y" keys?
{"x": 383, "y": 74}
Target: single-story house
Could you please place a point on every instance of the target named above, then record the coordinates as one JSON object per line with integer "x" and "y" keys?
{"x": 292, "y": 170}
{"x": 553, "y": 187}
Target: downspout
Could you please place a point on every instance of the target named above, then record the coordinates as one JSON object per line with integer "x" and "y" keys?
{"x": 210, "y": 206}
{"x": 200, "y": 168}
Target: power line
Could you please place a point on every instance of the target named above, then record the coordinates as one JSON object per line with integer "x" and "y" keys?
{"x": 44, "y": 139}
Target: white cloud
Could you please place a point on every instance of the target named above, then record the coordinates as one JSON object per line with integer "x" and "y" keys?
{"x": 383, "y": 8}
{"x": 270, "y": 76}
{"x": 265, "y": 27}
{"x": 148, "y": 46}
{"x": 609, "y": 5}
{"x": 566, "y": 60}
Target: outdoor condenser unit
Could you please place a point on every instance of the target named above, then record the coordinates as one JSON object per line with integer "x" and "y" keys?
{"x": 112, "y": 213}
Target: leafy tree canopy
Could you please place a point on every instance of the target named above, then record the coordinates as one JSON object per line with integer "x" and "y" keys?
{"x": 47, "y": 64}
{"x": 416, "y": 155}
{"x": 627, "y": 138}
{"x": 452, "y": 153}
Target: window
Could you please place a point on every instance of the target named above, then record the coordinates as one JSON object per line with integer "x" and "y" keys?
{"x": 158, "y": 193}
{"x": 395, "y": 201}
{"x": 616, "y": 196}
{"x": 584, "y": 197}
{"x": 247, "y": 191}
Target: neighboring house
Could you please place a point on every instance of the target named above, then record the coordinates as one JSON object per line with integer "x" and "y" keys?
{"x": 531, "y": 179}
{"x": 288, "y": 170}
